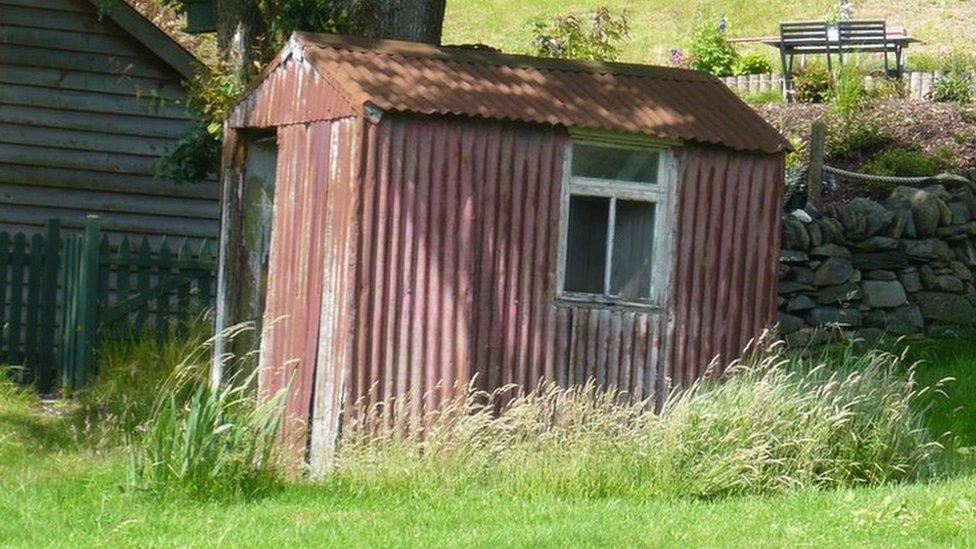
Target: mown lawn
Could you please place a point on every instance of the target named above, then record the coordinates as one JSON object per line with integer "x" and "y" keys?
{"x": 55, "y": 492}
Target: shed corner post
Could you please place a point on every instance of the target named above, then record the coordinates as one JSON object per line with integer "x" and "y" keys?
{"x": 227, "y": 252}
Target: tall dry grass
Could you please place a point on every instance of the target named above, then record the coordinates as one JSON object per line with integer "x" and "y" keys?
{"x": 775, "y": 423}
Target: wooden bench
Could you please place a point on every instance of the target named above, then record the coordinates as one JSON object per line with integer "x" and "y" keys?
{"x": 854, "y": 36}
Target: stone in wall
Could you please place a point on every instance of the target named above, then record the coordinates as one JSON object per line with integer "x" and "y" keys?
{"x": 867, "y": 267}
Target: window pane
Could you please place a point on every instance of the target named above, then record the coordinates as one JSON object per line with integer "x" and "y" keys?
{"x": 633, "y": 247}
{"x": 618, "y": 164}
{"x": 586, "y": 245}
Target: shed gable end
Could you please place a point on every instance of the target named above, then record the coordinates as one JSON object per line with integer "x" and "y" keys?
{"x": 291, "y": 91}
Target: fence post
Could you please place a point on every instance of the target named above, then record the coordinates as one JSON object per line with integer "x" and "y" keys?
{"x": 818, "y": 138}
{"x": 80, "y": 304}
{"x": 49, "y": 287}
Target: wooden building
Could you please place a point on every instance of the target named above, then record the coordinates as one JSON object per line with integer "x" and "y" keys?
{"x": 88, "y": 102}
{"x": 436, "y": 215}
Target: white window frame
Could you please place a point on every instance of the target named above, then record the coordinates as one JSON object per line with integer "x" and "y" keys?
{"x": 662, "y": 194}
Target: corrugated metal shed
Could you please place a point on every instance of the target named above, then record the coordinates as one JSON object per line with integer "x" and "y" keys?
{"x": 430, "y": 243}
{"x": 87, "y": 105}
{"x": 661, "y": 101}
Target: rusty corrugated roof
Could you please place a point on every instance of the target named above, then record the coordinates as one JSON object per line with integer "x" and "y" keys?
{"x": 419, "y": 78}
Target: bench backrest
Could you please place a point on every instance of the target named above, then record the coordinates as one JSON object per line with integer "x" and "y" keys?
{"x": 815, "y": 36}
{"x": 802, "y": 35}
{"x": 862, "y": 33}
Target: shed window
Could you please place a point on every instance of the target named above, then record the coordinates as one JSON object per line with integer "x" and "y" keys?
{"x": 616, "y": 224}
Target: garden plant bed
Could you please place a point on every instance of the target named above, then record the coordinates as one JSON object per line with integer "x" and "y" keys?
{"x": 932, "y": 127}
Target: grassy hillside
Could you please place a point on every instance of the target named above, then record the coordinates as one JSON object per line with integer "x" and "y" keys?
{"x": 658, "y": 25}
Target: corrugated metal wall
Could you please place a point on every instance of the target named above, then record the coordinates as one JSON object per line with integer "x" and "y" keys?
{"x": 727, "y": 250}
{"x": 454, "y": 263}
{"x": 456, "y": 266}
{"x": 85, "y": 110}
{"x": 283, "y": 97}
{"x": 313, "y": 224}
{"x": 429, "y": 258}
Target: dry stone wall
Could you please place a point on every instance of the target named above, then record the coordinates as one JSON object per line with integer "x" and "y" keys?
{"x": 895, "y": 267}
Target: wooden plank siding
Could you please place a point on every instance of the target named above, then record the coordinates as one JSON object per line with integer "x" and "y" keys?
{"x": 85, "y": 111}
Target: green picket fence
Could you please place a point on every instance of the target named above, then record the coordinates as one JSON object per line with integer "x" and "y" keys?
{"x": 133, "y": 287}
{"x": 28, "y": 301}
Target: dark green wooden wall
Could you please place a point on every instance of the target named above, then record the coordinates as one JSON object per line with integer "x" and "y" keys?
{"x": 85, "y": 110}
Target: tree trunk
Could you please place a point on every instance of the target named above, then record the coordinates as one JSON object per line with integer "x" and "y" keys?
{"x": 414, "y": 20}
{"x": 240, "y": 34}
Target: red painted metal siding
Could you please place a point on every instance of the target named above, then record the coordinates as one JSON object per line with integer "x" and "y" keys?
{"x": 313, "y": 198}
{"x": 457, "y": 245}
{"x": 421, "y": 252}
{"x": 456, "y": 266}
{"x": 291, "y": 91}
{"x": 726, "y": 252}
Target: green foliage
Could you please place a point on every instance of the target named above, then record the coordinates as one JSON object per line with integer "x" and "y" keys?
{"x": 848, "y": 93}
{"x": 753, "y": 63}
{"x": 194, "y": 158}
{"x": 208, "y": 442}
{"x": 954, "y": 60}
{"x": 284, "y": 17}
{"x": 887, "y": 88}
{"x": 854, "y": 140}
{"x": 210, "y": 95}
{"x": 710, "y": 51}
{"x": 764, "y": 97}
{"x": 775, "y": 424}
{"x": 954, "y": 87}
{"x": 132, "y": 367}
{"x": 909, "y": 162}
{"x": 594, "y": 36}
{"x": 811, "y": 84}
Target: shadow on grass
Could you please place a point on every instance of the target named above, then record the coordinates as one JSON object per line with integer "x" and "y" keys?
{"x": 37, "y": 432}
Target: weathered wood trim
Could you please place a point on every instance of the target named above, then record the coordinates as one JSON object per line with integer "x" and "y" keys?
{"x": 153, "y": 38}
{"x": 662, "y": 194}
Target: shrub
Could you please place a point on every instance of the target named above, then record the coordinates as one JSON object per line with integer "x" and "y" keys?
{"x": 887, "y": 88}
{"x": 850, "y": 140}
{"x": 594, "y": 36}
{"x": 774, "y": 424}
{"x": 753, "y": 63}
{"x": 132, "y": 367}
{"x": 711, "y": 52}
{"x": 848, "y": 92}
{"x": 210, "y": 95}
{"x": 909, "y": 162}
{"x": 954, "y": 87}
{"x": 811, "y": 84}
{"x": 208, "y": 442}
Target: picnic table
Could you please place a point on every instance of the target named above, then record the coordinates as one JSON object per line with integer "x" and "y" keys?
{"x": 836, "y": 38}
